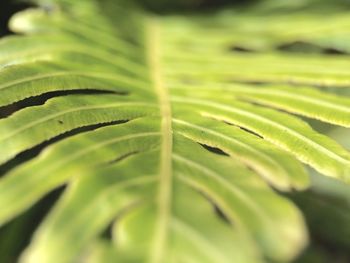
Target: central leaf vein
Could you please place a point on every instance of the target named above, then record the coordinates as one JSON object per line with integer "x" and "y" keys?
{"x": 165, "y": 173}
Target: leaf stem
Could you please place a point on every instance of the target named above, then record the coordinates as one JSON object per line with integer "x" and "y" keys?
{"x": 165, "y": 173}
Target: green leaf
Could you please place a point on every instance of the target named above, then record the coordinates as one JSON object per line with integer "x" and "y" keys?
{"x": 146, "y": 122}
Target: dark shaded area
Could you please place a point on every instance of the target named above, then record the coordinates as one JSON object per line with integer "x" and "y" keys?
{"x": 24, "y": 227}
{"x": 214, "y": 150}
{"x": 217, "y": 209}
{"x": 188, "y": 5}
{"x": 123, "y": 157}
{"x": 251, "y": 132}
{"x": 7, "y": 9}
{"x": 8, "y": 110}
{"x": 328, "y": 220}
{"x": 246, "y": 130}
{"x": 240, "y": 49}
{"x": 221, "y": 214}
{"x": 305, "y": 47}
{"x": 107, "y": 233}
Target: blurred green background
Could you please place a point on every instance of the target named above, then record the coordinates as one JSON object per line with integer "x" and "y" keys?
{"x": 9, "y": 7}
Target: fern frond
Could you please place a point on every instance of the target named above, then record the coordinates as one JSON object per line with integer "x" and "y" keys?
{"x": 147, "y": 123}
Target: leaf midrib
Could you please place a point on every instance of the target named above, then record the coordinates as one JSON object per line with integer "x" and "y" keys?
{"x": 164, "y": 197}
